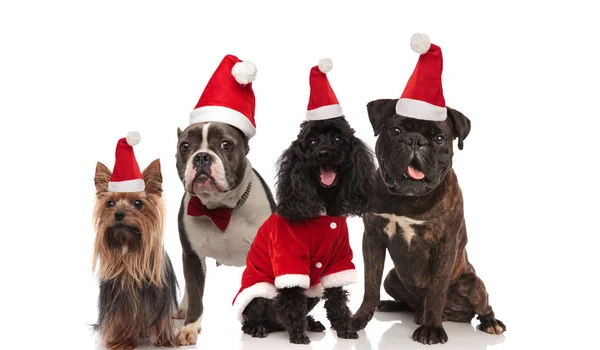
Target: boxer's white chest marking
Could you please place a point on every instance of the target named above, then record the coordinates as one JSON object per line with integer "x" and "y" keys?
{"x": 404, "y": 222}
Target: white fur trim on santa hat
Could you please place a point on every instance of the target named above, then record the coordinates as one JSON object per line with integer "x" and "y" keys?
{"x": 136, "y": 185}
{"x": 420, "y": 43}
{"x": 133, "y": 138}
{"x": 258, "y": 290}
{"x": 417, "y": 109}
{"x": 244, "y": 72}
{"x": 292, "y": 280}
{"x": 315, "y": 291}
{"x": 339, "y": 279}
{"x": 324, "y": 112}
{"x": 223, "y": 115}
{"x": 325, "y": 65}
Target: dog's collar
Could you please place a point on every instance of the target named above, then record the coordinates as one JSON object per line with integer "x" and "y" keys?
{"x": 243, "y": 199}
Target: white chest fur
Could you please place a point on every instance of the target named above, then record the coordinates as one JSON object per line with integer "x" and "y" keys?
{"x": 403, "y": 222}
{"x": 229, "y": 247}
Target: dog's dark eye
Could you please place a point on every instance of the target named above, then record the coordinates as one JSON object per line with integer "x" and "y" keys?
{"x": 138, "y": 204}
{"x": 395, "y": 131}
{"x": 439, "y": 139}
{"x": 338, "y": 140}
{"x": 226, "y": 145}
{"x": 184, "y": 147}
{"x": 110, "y": 204}
{"x": 312, "y": 144}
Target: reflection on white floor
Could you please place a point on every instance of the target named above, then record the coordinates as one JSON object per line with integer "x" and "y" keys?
{"x": 221, "y": 331}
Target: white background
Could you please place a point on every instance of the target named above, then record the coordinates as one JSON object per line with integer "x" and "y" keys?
{"x": 77, "y": 76}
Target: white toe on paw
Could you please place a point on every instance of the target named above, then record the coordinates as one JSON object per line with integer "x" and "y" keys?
{"x": 189, "y": 333}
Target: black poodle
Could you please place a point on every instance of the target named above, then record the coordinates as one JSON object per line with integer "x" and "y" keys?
{"x": 326, "y": 171}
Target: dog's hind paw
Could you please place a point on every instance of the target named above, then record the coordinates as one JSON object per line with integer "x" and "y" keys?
{"x": 314, "y": 325}
{"x": 347, "y": 334}
{"x": 299, "y": 338}
{"x": 392, "y": 306}
{"x": 491, "y": 325}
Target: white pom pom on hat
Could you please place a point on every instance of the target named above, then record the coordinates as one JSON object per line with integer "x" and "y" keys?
{"x": 420, "y": 43}
{"x": 325, "y": 65}
{"x": 133, "y": 138}
{"x": 244, "y": 72}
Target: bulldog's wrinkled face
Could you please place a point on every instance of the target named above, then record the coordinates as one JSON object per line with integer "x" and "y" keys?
{"x": 211, "y": 157}
{"x": 414, "y": 155}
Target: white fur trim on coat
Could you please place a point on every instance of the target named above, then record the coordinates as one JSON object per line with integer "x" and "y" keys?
{"x": 315, "y": 291}
{"x": 258, "y": 290}
{"x": 339, "y": 279}
{"x": 292, "y": 280}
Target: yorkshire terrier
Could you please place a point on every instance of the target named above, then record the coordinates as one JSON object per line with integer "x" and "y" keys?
{"x": 138, "y": 287}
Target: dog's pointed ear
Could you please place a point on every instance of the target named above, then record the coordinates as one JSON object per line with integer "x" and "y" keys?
{"x": 461, "y": 125}
{"x": 102, "y": 177}
{"x": 153, "y": 178}
{"x": 379, "y": 111}
{"x": 179, "y": 132}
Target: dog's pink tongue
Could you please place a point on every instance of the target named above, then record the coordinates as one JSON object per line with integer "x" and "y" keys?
{"x": 327, "y": 176}
{"x": 414, "y": 173}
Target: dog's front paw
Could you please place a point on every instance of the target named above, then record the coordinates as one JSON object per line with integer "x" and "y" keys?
{"x": 180, "y": 314}
{"x": 256, "y": 331}
{"x": 299, "y": 338}
{"x": 430, "y": 335}
{"x": 188, "y": 335}
{"x": 491, "y": 325}
{"x": 314, "y": 325}
{"x": 360, "y": 320}
{"x": 347, "y": 334}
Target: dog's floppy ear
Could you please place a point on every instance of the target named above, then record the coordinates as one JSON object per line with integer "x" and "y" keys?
{"x": 102, "y": 178}
{"x": 297, "y": 196}
{"x": 379, "y": 111}
{"x": 461, "y": 125}
{"x": 153, "y": 178}
{"x": 361, "y": 179}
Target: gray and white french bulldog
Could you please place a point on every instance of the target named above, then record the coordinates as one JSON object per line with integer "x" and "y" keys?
{"x": 224, "y": 204}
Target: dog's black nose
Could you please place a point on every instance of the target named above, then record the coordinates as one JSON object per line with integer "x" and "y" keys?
{"x": 323, "y": 154}
{"x": 120, "y": 215}
{"x": 414, "y": 139}
{"x": 202, "y": 158}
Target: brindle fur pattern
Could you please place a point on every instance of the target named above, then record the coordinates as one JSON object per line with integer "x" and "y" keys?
{"x": 432, "y": 275}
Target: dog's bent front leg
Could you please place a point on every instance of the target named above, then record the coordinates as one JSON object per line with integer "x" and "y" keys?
{"x": 291, "y": 313}
{"x": 338, "y": 313}
{"x": 443, "y": 261}
{"x": 194, "y": 271}
{"x": 374, "y": 258}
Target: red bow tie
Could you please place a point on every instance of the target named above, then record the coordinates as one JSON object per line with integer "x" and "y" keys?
{"x": 220, "y": 216}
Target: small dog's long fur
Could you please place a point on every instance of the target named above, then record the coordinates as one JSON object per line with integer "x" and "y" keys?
{"x": 300, "y": 196}
{"x": 138, "y": 287}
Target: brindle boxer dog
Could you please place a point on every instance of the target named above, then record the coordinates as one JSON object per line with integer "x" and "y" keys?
{"x": 417, "y": 215}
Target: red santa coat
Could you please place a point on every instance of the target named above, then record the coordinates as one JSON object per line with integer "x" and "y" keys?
{"x": 312, "y": 254}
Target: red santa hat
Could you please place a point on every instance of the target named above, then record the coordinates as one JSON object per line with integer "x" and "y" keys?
{"x": 126, "y": 176}
{"x": 423, "y": 97}
{"x": 228, "y": 96}
{"x": 322, "y": 103}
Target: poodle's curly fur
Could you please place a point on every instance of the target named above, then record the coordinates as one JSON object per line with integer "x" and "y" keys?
{"x": 299, "y": 192}
{"x": 301, "y": 195}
